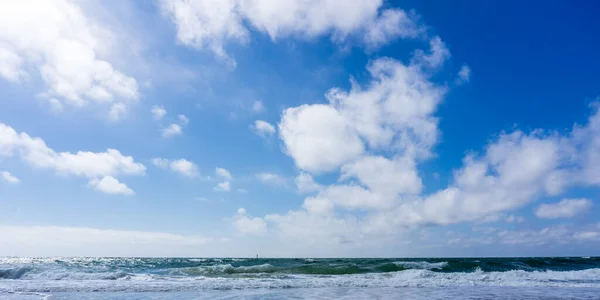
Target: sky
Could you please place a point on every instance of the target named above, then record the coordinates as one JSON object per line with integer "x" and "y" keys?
{"x": 299, "y": 128}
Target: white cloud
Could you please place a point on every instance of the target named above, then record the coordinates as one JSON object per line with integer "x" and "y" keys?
{"x": 263, "y": 128}
{"x": 224, "y": 186}
{"x": 587, "y": 235}
{"x": 566, "y": 208}
{"x": 93, "y": 165}
{"x": 464, "y": 75}
{"x": 183, "y": 119}
{"x": 56, "y": 105}
{"x": 258, "y": 106}
{"x": 171, "y": 130}
{"x": 181, "y": 166}
{"x": 10, "y": 66}
{"x": 270, "y": 178}
{"x": 390, "y": 25}
{"x": 6, "y": 176}
{"x": 390, "y": 177}
{"x": 56, "y": 41}
{"x": 158, "y": 112}
{"x": 117, "y": 111}
{"x": 395, "y": 110}
{"x": 210, "y": 25}
{"x": 223, "y": 173}
{"x": 305, "y": 183}
{"x": 318, "y": 137}
{"x": 514, "y": 219}
{"x": 248, "y": 225}
{"x": 110, "y": 185}
{"x": 435, "y": 58}
{"x": 376, "y": 135}
{"x": 82, "y": 241}
{"x": 207, "y": 24}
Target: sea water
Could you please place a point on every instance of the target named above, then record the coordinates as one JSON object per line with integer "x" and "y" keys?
{"x": 237, "y": 278}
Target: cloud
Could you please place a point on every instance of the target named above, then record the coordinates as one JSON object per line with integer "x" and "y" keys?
{"x": 566, "y": 208}
{"x": 207, "y": 24}
{"x": 171, "y": 131}
{"x": 181, "y": 166}
{"x": 318, "y": 137}
{"x": 258, "y": 106}
{"x": 6, "y": 176}
{"x": 158, "y": 112}
{"x": 224, "y": 186}
{"x": 464, "y": 75}
{"x": 306, "y": 184}
{"x": 248, "y": 225}
{"x": 56, "y": 41}
{"x": 223, "y": 173}
{"x": 587, "y": 235}
{"x": 117, "y": 111}
{"x": 270, "y": 178}
{"x": 211, "y": 25}
{"x": 93, "y": 165}
{"x": 263, "y": 128}
{"x": 110, "y": 185}
{"x": 376, "y": 134}
{"x": 183, "y": 119}
{"x": 395, "y": 110}
{"x": 387, "y": 176}
{"x": 83, "y": 241}
{"x": 390, "y": 25}
{"x": 55, "y": 105}
{"x": 514, "y": 219}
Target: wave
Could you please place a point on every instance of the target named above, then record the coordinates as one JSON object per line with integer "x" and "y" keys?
{"x": 422, "y": 264}
{"x": 408, "y": 278}
{"x": 26, "y": 273}
{"x": 224, "y": 269}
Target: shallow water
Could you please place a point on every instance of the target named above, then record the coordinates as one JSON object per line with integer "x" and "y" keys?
{"x": 196, "y": 278}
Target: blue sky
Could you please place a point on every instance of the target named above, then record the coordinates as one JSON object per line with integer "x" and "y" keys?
{"x": 299, "y": 128}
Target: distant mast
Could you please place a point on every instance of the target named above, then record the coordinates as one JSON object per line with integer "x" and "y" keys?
{"x": 256, "y": 256}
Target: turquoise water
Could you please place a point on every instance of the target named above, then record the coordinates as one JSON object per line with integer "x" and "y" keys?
{"x": 235, "y": 278}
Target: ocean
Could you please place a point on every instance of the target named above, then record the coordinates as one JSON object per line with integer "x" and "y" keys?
{"x": 299, "y": 278}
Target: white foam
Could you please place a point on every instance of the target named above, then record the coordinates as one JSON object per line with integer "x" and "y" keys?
{"x": 408, "y": 278}
{"x": 422, "y": 264}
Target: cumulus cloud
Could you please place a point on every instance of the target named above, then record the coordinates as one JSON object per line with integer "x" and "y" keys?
{"x": 171, "y": 131}
{"x": 464, "y": 75}
{"x": 223, "y": 173}
{"x": 305, "y": 183}
{"x": 271, "y": 178}
{"x": 117, "y": 111}
{"x": 263, "y": 128}
{"x": 247, "y": 225}
{"x": 181, "y": 166}
{"x": 183, "y": 119}
{"x": 6, "y": 176}
{"x": 158, "y": 112}
{"x": 566, "y": 208}
{"x": 93, "y": 165}
{"x": 318, "y": 137}
{"x": 224, "y": 186}
{"x": 56, "y": 41}
{"x": 110, "y": 185}
{"x": 258, "y": 106}
{"x": 376, "y": 134}
{"x": 210, "y": 25}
